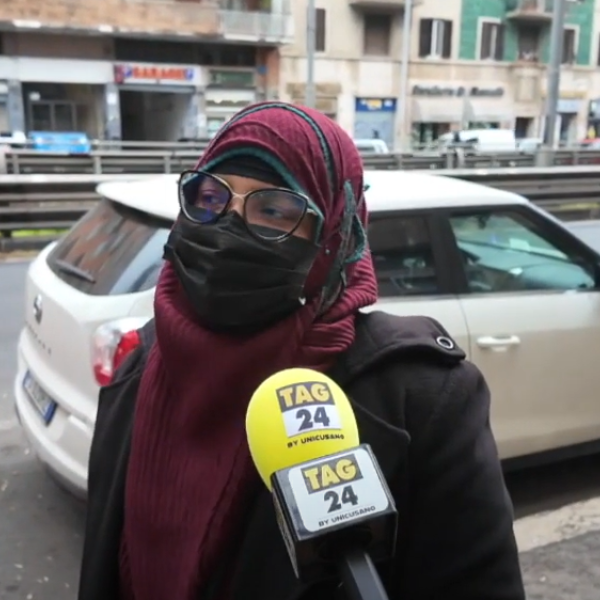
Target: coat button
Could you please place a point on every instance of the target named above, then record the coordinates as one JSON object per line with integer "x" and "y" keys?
{"x": 445, "y": 342}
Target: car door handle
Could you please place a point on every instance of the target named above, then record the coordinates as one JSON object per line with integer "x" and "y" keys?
{"x": 490, "y": 341}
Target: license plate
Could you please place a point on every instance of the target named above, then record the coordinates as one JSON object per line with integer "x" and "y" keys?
{"x": 40, "y": 400}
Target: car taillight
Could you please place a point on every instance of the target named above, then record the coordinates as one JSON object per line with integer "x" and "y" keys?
{"x": 111, "y": 344}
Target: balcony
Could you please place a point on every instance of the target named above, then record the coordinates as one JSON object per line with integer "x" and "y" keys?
{"x": 530, "y": 11}
{"x": 256, "y": 26}
{"x": 379, "y": 6}
{"x": 152, "y": 18}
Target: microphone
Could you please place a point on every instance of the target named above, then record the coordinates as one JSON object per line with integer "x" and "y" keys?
{"x": 335, "y": 511}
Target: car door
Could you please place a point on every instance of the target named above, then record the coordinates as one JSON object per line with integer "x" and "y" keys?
{"x": 408, "y": 250}
{"x": 532, "y": 308}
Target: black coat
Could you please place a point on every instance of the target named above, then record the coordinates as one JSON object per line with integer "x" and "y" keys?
{"x": 424, "y": 410}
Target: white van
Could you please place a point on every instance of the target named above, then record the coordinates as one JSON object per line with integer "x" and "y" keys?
{"x": 479, "y": 141}
{"x": 490, "y": 266}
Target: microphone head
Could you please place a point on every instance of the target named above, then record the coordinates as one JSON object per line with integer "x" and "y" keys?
{"x": 297, "y": 415}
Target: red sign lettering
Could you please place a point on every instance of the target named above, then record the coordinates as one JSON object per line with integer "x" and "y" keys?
{"x": 172, "y": 73}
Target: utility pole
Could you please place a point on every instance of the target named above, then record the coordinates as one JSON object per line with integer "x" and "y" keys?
{"x": 404, "y": 68}
{"x": 311, "y": 43}
{"x": 554, "y": 66}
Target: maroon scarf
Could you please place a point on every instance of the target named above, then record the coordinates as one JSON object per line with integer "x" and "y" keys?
{"x": 190, "y": 471}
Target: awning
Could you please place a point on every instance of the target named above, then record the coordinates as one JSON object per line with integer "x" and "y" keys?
{"x": 437, "y": 110}
{"x": 487, "y": 111}
{"x": 225, "y": 96}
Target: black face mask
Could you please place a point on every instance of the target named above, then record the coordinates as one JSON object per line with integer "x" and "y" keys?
{"x": 235, "y": 281}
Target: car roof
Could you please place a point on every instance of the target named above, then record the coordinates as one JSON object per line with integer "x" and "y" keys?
{"x": 387, "y": 191}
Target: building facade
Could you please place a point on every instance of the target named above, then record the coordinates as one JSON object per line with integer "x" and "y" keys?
{"x": 137, "y": 69}
{"x": 473, "y": 63}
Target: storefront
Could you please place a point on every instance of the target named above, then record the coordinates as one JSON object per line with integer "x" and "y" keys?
{"x": 375, "y": 118}
{"x": 53, "y": 94}
{"x": 437, "y": 108}
{"x": 568, "y": 110}
{"x": 228, "y": 91}
{"x": 593, "y": 121}
{"x": 156, "y": 102}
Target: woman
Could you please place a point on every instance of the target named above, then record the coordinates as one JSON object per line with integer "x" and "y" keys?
{"x": 267, "y": 268}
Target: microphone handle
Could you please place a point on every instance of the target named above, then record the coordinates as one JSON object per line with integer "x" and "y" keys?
{"x": 359, "y": 576}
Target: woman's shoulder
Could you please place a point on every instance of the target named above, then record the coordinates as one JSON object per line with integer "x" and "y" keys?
{"x": 418, "y": 371}
{"x": 381, "y": 336}
{"x": 117, "y": 399}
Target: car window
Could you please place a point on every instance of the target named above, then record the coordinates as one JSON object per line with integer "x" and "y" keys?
{"x": 403, "y": 256}
{"x": 111, "y": 250}
{"x": 507, "y": 251}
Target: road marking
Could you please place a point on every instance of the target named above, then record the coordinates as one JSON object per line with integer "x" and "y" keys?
{"x": 558, "y": 525}
{"x": 17, "y": 260}
{"x": 8, "y": 424}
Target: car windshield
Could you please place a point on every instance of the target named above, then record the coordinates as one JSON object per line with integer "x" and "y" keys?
{"x": 111, "y": 250}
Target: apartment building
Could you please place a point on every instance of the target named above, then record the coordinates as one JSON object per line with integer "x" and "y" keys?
{"x": 473, "y": 63}
{"x": 137, "y": 69}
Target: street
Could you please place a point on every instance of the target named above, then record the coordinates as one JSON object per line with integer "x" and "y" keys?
{"x": 40, "y": 526}
{"x": 557, "y": 507}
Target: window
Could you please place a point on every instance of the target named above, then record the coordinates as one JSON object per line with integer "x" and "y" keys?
{"x": 505, "y": 251}
{"x": 377, "y": 35}
{"x": 435, "y": 38}
{"x": 320, "y": 25}
{"x": 569, "y": 51}
{"x": 403, "y": 256}
{"x": 111, "y": 250}
{"x": 528, "y": 43}
{"x": 492, "y": 41}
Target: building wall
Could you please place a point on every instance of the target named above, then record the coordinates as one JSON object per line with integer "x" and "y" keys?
{"x": 343, "y": 73}
{"x": 249, "y": 21}
{"x": 132, "y": 15}
{"x": 580, "y": 15}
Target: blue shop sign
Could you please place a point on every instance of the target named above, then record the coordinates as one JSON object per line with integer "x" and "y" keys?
{"x": 568, "y": 106}
{"x": 76, "y": 142}
{"x": 375, "y": 105}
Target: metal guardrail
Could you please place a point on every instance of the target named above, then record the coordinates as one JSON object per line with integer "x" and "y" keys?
{"x": 25, "y": 162}
{"x": 34, "y": 209}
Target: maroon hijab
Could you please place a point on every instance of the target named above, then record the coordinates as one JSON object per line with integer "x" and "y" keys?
{"x": 190, "y": 472}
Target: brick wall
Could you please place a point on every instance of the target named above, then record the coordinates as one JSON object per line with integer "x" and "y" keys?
{"x": 151, "y": 16}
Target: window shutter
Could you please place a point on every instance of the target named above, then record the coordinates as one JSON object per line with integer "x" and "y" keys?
{"x": 425, "y": 27}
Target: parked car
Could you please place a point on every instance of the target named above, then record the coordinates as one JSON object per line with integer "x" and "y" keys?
{"x": 517, "y": 290}
{"x": 371, "y": 146}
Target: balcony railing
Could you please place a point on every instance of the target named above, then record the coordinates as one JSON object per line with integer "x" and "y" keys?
{"x": 378, "y": 5}
{"x": 244, "y": 25}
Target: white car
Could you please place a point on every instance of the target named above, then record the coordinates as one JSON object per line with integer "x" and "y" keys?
{"x": 514, "y": 287}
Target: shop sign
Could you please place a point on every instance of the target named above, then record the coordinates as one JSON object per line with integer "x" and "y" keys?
{"x": 568, "y": 105}
{"x": 457, "y": 91}
{"x": 375, "y": 105}
{"x": 144, "y": 73}
{"x": 231, "y": 78}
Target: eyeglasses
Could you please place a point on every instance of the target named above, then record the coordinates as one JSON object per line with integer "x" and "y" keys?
{"x": 270, "y": 213}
